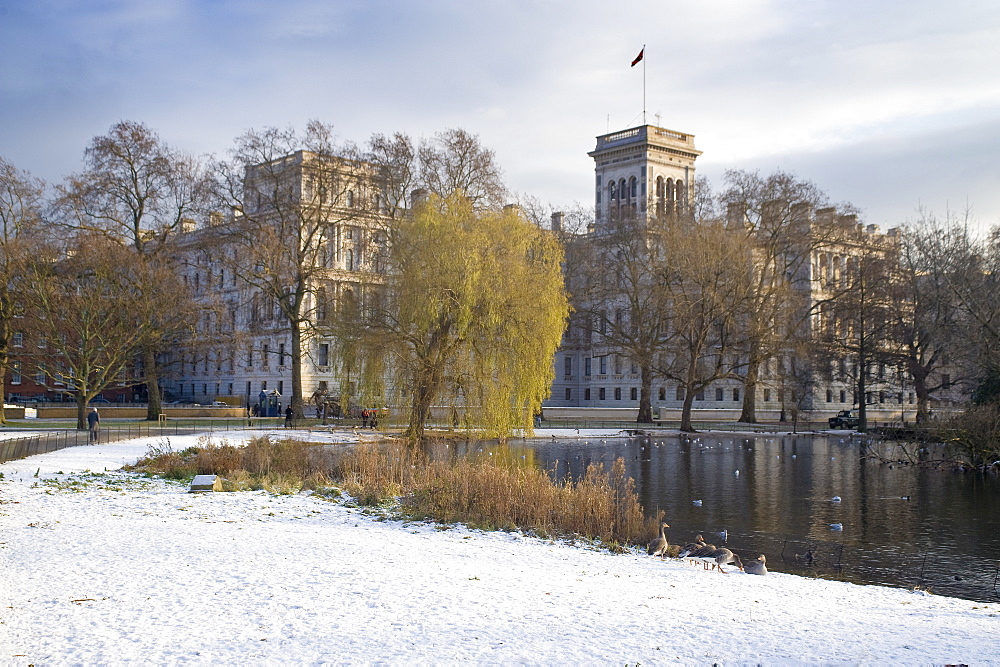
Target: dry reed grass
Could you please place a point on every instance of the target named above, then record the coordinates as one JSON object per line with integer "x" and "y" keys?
{"x": 498, "y": 492}
{"x": 494, "y": 491}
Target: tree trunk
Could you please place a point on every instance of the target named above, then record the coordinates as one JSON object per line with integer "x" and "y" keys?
{"x": 426, "y": 383}
{"x": 923, "y": 396}
{"x": 645, "y": 396}
{"x": 862, "y": 401}
{"x": 748, "y": 414}
{"x": 81, "y": 412}
{"x": 686, "y": 411}
{"x": 297, "y": 356}
{"x": 155, "y": 405}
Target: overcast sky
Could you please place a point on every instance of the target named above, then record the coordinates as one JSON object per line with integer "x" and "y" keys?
{"x": 890, "y": 105}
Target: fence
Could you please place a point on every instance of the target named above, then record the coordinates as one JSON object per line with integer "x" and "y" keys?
{"x": 55, "y": 439}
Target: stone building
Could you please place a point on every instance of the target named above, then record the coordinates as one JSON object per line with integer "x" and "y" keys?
{"x": 647, "y": 172}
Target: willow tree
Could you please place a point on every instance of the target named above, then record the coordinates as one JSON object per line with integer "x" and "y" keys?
{"x": 477, "y": 311}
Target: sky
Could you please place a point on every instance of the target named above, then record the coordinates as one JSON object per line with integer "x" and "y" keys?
{"x": 891, "y": 105}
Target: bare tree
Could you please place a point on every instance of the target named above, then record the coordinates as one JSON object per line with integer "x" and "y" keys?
{"x": 776, "y": 212}
{"x": 293, "y": 197}
{"x": 94, "y": 308}
{"x": 21, "y": 204}
{"x": 139, "y": 192}
{"x": 619, "y": 301}
{"x": 855, "y": 321}
{"x": 706, "y": 278}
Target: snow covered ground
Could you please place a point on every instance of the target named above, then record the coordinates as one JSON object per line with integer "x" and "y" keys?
{"x": 109, "y": 568}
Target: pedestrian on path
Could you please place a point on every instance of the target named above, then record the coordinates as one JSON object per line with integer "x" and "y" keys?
{"x": 93, "y": 423}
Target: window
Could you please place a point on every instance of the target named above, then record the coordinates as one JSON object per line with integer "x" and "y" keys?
{"x": 718, "y": 394}
{"x": 40, "y": 375}
{"x": 601, "y": 394}
{"x": 736, "y": 395}
{"x": 266, "y": 350}
{"x": 263, "y": 385}
{"x": 604, "y": 366}
{"x": 663, "y": 393}
{"x": 324, "y": 354}
{"x": 634, "y": 393}
{"x": 767, "y": 395}
{"x": 700, "y": 396}
{"x": 281, "y": 354}
{"x": 586, "y": 394}
{"x": 679, "y": 395}
{"x": 281, "y": 387}
{"x": 17, "y": 340}
{"x": 229, "y": 388}
{"x": 567, "y": 365}
{"x": 843, "y": 396}
{"x": 350, "y": 199}
{"x": 587, "y": 363}
{"x": 15, "y": 372}
{"x": 569, "y": 394}
{"x": 829, "y": 395}
{"x": 250, "y": 357}
{"x": 618, "y": 393}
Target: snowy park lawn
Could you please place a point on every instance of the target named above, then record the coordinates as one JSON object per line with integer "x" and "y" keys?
{"x": 99, "y": 566}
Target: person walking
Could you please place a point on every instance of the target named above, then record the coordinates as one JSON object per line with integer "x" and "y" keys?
{"x": 93, "y": 423}
{"x": 289, "y": 413}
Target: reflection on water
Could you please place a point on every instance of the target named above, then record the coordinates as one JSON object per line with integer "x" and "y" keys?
{"x": 901, "y": 525}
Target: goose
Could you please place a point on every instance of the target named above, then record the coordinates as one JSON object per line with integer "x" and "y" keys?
{"x": 658, "y": 547}
{"x": 756, "y": 566}
{"x": 701, "y": 552}
{"x": 722, "y": 557}
{"x": 689, "y": 549}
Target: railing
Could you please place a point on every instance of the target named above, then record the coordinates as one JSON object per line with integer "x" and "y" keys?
{"x": 56, "y": 439}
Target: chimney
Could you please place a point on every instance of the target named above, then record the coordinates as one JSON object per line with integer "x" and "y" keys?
{"x": 557, "y": 221}
{"x": 736, "y": 216}
{"x": 418, "y": 196}
{"x": 802, "y": 215}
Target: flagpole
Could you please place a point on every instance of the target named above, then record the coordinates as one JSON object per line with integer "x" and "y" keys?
{"x": 644, "y": 84}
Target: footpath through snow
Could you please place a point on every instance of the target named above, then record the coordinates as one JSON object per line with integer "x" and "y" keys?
{"x": 103, "y": 567}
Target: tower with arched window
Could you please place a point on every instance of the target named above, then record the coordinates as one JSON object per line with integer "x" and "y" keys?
{"x": 644, "y": 172}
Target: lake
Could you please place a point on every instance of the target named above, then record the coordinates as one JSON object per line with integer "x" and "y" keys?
{"x": 898, "y": 525}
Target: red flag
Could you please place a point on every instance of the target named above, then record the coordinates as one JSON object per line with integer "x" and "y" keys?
{"x": 638, "y": 57}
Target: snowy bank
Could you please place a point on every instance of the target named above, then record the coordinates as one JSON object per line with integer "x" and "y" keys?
{"x": 113, "y": 568}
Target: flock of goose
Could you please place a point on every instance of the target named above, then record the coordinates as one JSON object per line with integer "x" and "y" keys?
{"x": 706, "y": 554}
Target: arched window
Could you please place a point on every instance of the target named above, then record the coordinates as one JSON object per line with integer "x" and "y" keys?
{"x": 350, "y": 199}
{"x": 350, "y": 260}
{"x": 633, "y": 187}
{"x": 669, "y": 193}
{"x": 660, "y": 187}
{"x": 622, "y": 189}
{"x": 612, "y": 191}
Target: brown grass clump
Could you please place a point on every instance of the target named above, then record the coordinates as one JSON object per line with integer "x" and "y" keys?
{"x": 495, "y": 490}
{"x": 276, "y": 466}
{"x": 499, "y": 492}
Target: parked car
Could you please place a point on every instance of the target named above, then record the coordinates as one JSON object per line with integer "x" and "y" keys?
{"x": 99, "y": 400}
{"x": 845, "y": 419}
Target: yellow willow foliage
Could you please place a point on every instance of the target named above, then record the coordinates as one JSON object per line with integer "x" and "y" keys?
{"x": 481, "y": 309}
